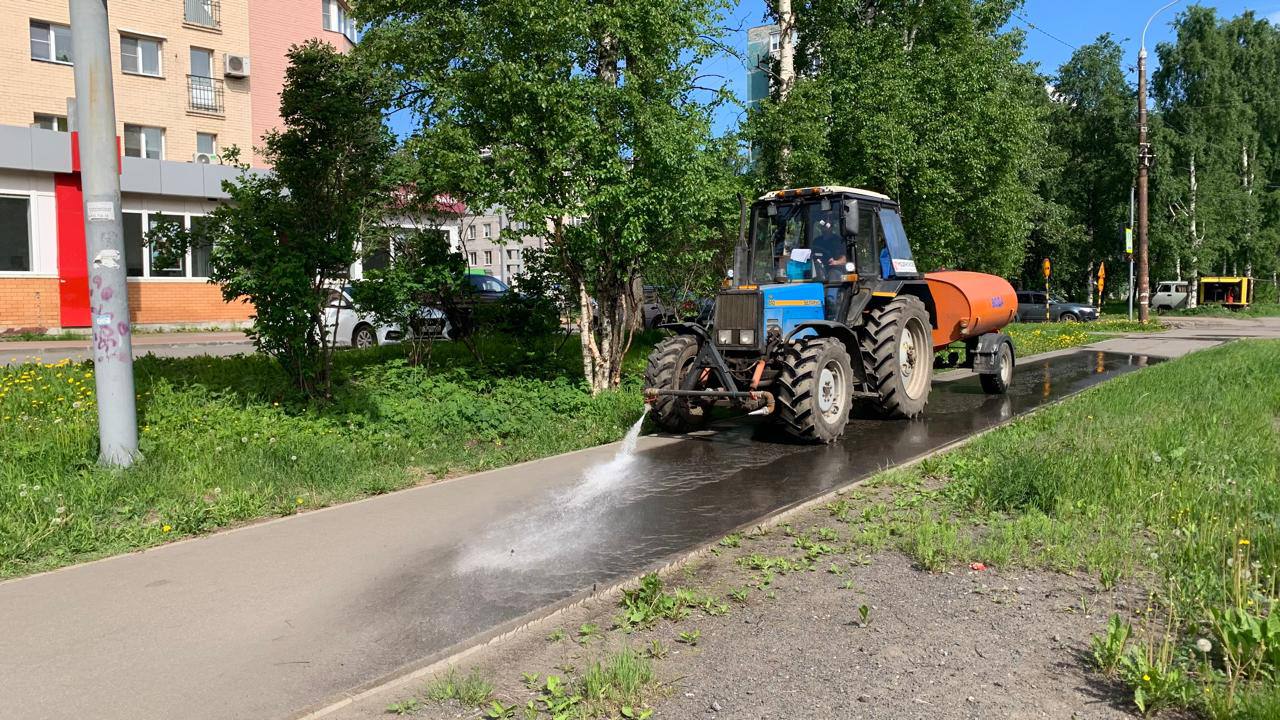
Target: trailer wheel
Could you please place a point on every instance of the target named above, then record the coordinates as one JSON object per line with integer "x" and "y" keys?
{"x": 997, "y": 383}
{"x": 669, "y": 364}
{"x": 897, "y": 352}
{"x": 815, "y": 389}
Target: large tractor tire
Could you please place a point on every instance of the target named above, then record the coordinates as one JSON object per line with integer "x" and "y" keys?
{"x": 897, "y": 352}
{"x": 998, "y": 382}
{"x": 669, "y": 364}
{"x": 815, "y": 389}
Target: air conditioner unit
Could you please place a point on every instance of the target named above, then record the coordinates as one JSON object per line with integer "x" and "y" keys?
{"x": 236, "y": 66}
{"x": 206, "y": 159}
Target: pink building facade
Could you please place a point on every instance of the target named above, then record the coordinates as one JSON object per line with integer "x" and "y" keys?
{"x": 274, "y": 27}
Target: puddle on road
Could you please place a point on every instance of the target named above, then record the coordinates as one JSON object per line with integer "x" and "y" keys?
{"x": 638, "y": 509}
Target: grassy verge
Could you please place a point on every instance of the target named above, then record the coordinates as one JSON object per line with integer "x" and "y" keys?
{"x": 1036, "y": 338}
{"x": 41, "y": 337}
{"x": 225, "y": 441}
{"x": 1165, "y": 477}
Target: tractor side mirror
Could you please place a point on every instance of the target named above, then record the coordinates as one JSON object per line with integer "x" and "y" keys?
{"x": 851, "y": 218}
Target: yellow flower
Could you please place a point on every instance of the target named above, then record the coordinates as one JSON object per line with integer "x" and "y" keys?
{"x": 1146, "y": 678}
{"x": 1244, "y": 541}
{"x": 166, "y": 528}
{"x": 298, "y": 501}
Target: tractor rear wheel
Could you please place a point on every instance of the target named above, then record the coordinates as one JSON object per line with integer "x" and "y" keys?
{"x": 669, "y": 365}
{"x": 897, "y": 352}
{"x": 815, "y": 389}
{"x": 997, "y": 383}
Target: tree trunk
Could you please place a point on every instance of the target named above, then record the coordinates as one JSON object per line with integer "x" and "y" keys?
{"x": 1196, "y": 237}
{"x": 786, "y": 49}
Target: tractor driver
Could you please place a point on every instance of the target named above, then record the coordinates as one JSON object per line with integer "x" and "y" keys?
{"x": 829, "y": 252}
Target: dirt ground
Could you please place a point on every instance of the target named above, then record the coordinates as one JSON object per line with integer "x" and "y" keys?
{"x": 961, "y": 644}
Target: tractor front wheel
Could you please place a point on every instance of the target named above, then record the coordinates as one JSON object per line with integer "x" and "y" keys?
{"x": 815, "y": 389}
{"x": 669, "y": 365}
{"x": 897, "y": 352}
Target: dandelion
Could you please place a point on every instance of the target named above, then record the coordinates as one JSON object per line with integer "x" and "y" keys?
{"x": 166, "y": 528}
{"x": 1146, "y": 678}
{"x": 298, "y": 501}
{"x": 1203, "y": 645}
{"x": 244, "y": 439}
{"x": 60, "y": 510}
{"x": 1243, "y": 541}
{"x": 22, "y": 494}
{"x": 293, "y": 458}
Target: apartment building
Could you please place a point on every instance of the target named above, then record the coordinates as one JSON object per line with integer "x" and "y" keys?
{"x": 482, "y": 241}
{"x": 191, "y": 78}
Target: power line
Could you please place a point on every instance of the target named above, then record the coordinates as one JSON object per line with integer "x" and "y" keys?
{"x": 1042, "y": 31}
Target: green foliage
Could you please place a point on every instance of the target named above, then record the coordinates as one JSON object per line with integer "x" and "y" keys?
{"x": 405, "y": 707}
{"x": 645, "y": 605}
{"x": 621, "y": 680}
{"x": 285, "y": 236}
{"x": 864, "y": 112}
{"x": 423, "y": 273}
{"x": 559, "y": 110}
{"x": 689, "y": 637}
{"x": 473, "y": 690}
{"x": 1109, "y": 649}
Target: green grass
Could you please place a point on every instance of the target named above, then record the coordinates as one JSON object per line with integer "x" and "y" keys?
{"x": 226, "y": 441}
{"x": 1035, "y": 338}
{"x": 471, "y": 690}
{"x": 1168, "y": 478}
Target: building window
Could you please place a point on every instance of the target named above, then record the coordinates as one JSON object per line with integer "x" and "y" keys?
{"x": 207, "y": 143}
{"x": 163, "y": 264}
{"x": 471, "y": 232}
{"x": 512, "y": 271}
{"x": 50, "y": 122}
{"x": 488, "y": 257}
{"x": 472, "y": 258}
{"x": 15, "y": 234}
{"x": 488, "y": 231}
{"x": 50, "y": 42}
{"x": 139, "y": 55}
{"x": 144, "y": 142}
{"x": 199, "y": 249}
{"x": 338, "y": 19}
{"x": 513, "y": 254}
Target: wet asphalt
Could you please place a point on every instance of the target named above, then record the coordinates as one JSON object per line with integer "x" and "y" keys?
{"x": 268, "y": 620}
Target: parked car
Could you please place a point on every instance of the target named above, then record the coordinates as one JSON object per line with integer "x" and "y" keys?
{"x": 657, "y": 310}
{"x": 487, "y": 288}
{"x": 1031, "y": 308}
{"x": 350, "y": 327}
{"x": 1171, "y": 295}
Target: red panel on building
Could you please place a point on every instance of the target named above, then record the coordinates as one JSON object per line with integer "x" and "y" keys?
{"x": 73, "y": 263}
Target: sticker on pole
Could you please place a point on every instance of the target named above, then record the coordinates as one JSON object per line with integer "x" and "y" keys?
{"x": 100, "y": 211}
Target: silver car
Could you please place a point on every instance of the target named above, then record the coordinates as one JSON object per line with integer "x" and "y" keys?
{"x": 1031, "y": 308}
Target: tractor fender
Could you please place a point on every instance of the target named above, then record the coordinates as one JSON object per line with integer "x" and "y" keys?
{"x": 687, "y": 328}
{"x": 985, "y": 349}
{"x": 827, "y": 328}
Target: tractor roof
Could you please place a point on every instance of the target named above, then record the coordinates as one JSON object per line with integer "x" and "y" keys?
{"x": 823, "y": 190}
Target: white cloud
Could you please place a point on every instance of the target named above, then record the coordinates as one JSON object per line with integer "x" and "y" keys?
{"x": 1274, "y": 17}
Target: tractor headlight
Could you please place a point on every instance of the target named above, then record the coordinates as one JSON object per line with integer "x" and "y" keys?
{"x": 747, "y": 337}
{"x": 725, "y": 337}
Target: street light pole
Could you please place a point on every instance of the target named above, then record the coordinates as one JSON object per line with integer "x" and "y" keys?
{"x": 104, "y": 234}
{"x": 1144, "y": 168}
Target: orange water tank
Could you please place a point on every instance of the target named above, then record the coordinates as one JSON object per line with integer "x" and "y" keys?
{"x": 969, "y": 304}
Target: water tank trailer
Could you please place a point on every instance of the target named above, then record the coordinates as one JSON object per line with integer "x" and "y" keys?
{"x": 825, "y": 306}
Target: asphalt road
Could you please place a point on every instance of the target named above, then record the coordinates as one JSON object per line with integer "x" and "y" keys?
{"x": 271, "y": 619}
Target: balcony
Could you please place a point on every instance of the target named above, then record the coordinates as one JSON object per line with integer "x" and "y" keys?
{"x": 204, "y": 94}
{"x": 205, "y": 13}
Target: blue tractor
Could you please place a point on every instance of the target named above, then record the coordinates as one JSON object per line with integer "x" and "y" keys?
{"x": 825, "y": 306}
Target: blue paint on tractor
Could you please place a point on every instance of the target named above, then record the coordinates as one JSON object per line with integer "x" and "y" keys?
{"x": 789, "y": 305}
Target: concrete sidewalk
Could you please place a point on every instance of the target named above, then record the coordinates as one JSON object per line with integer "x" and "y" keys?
{"x": 182, "y": 344}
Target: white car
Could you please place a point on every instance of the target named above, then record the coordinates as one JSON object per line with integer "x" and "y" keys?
{"x": 1171, "y": 295}
{"x": 349, "y": 327}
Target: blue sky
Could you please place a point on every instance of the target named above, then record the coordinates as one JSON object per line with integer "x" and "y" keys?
{"x": 1053, "y": 27}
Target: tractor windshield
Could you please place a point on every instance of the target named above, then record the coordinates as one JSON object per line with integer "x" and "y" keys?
{"x": 795, "y": 242}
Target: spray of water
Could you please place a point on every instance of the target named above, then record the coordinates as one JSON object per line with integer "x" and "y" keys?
{"x": 606, "y": 477}
{"x": 544, "y": 533}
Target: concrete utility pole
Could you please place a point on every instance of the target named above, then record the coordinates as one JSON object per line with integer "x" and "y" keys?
{"x": 1144, "y": 168}
{"x": 104, "y": 234}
